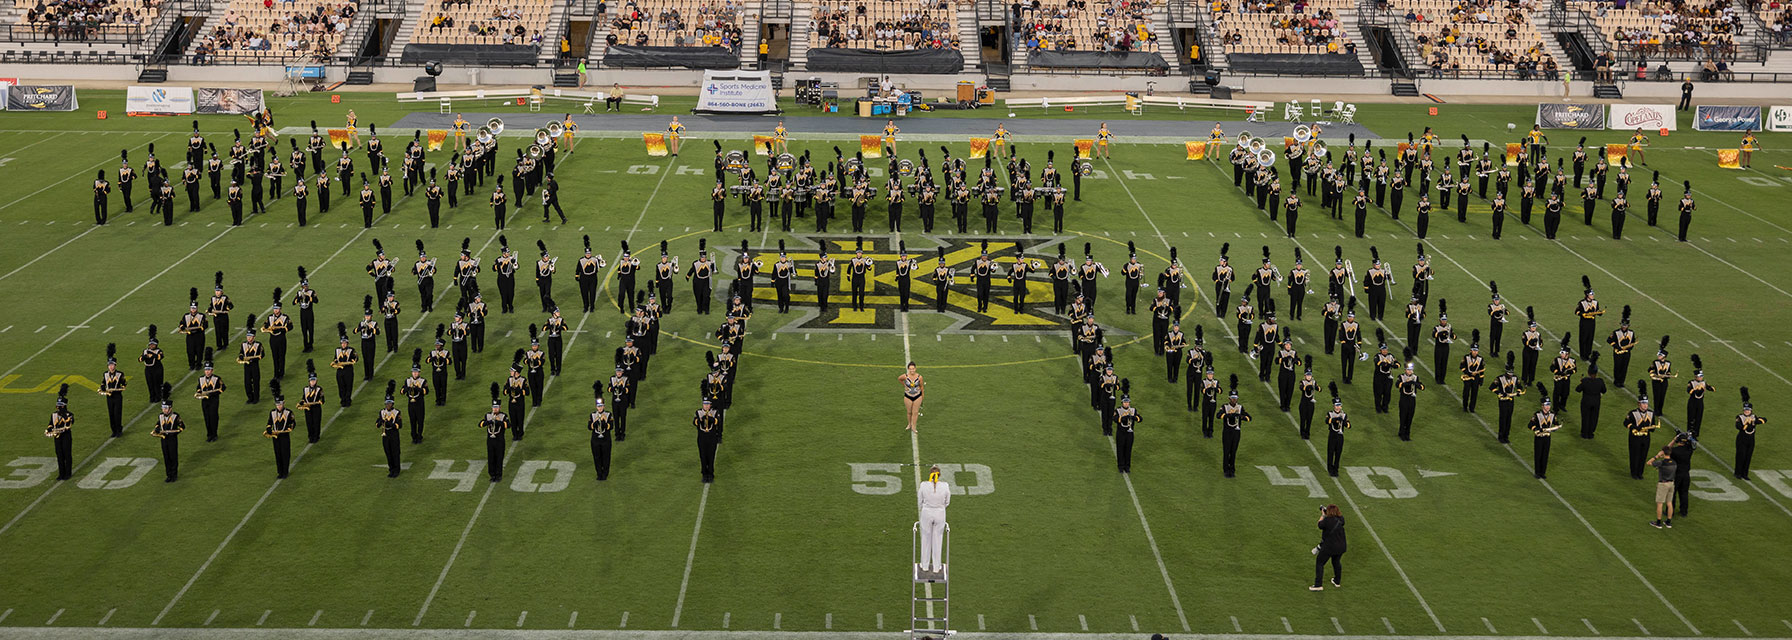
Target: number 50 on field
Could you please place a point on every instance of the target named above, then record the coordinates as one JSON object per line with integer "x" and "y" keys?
{"x": 885, "y": 478}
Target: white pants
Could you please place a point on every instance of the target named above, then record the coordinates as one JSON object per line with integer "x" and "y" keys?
{"x": 933, "y": 533}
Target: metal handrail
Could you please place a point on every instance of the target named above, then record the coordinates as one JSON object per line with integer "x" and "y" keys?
{"x": 76, "y": 34}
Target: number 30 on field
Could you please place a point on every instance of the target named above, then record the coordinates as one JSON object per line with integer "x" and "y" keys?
{"x": 885, "y": 478}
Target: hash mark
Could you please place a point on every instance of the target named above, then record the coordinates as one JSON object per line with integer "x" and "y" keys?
{"x": 1338, "y": 625}
{"x": 1589, "y": 624}
{"x": 1083, "y": 621}
{"x": 1490, "y": 629}
{"x": 726, "y": 615}
{"x": 572, "y": 620}
{"x": 1032, "y": 622}
{"x": 1744, "y": 629}
{"x": 979, "y": 621}
{"x": 521, "y": 617}
{"x": 1645, "y": 630}
{"x": 828, "y": 621}
{"x": 314, "y": 617}
{"x": 264, "y": 616}
{"x": 469, "y": 621}
{"x": 367, "y": 617}
{"x": 777, "y": 621}
{"x": 9, "y": 612}
{"x": 1285, "y": 626}
{"x": 624, "y": 620}
{"x": 1389, "y": 625}
{"x": 210, "y": 618}
{"x": 1235, "y": 627}
{"x": 54, "y": 616}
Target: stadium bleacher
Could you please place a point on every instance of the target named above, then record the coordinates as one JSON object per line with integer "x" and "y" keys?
{"x": 83, "y": 20}
{"x": 1279, "y": 26}
{"x": 677, "y": 23}
{"x": 1111, "y": 25}
{"x": 887, "y": 25}
{"x": 1659, "y": 29}
{"x": 483, "y": 22}
{"x": 284, "y": 31}
{"x": 1476, "y": 36}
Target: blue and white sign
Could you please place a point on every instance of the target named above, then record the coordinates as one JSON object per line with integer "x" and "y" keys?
{"x": 1779, "y": 118}
{"x": 1726, "y": 118}
{"x": 737, "y": 92}
{"x": 161, "y": 101}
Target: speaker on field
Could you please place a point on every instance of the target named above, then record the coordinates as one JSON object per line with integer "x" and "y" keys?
{"x": 1212, "y": 78}
{"x": 1221, "y": 92}
{"x": 423, "y": 83}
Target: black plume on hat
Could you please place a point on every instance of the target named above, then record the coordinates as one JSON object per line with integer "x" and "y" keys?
{"x": 1509, "y": 356}
{"x": 1745, "y": 401}
{"x": 494, "y": 394}
{"x": 1697, "y": 365}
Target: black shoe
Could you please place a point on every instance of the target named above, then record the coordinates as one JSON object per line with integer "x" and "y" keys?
{"x": 168, "y": 480}
{"x": 393, "y": 474}
{"x": 279, "y": 476}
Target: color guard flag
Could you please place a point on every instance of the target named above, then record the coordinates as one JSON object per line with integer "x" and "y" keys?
{"x": 980, "y": 148}
{"x": 1614, "y": 153}
{"x": 436, "y": 138}
{"x": 1196, "y": 150}
{"x": 1082, "y": 147}
{"x": 1512, "y": 149}
{"x": 762, "y": 145}
{"x": 1400, "y": 149}
{"x": 656, "y": 143}
{"x": 1729, "y": 159}
{"x": 338, "y": 137}
{"x": 872, "y": 145}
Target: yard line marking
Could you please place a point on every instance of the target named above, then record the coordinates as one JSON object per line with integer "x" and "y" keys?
{"x": 1082, "y": 621}
{"x": 1162, "y": 569}
{"x": 1589, "y": 624}
{"x": 777, "y": 621}
{"x": 1389, "y": 625}
{"x": 1285, "y": 626}
{"x": 210, "y": 618}
{"x": 828, "y": 622}
{"x": 1340, "y": 626}
{"x": 264, "y": 616}
{"x": 1135, "y": 622}
{"x": 520, "y": 618}
{"x": 46, "y": 254}
{"x": 109, "y": 328}
{"x": 84, "y": 172}
{"x": 690, "y": 556}
{"x": 58, "y": 135}
{"x": 1032, "y": 622}
{"x": 1540, "y": 628}
{"x": 727, "y": 614}
{"x": 469, "y": 621}
{"x": 880, "y": 621}
{"x": 314, "y": 617}
{"x": 1235, "y": 627}
{"x": 369, "y": 616}
{"x": 979, "y": 621}
{"x": 914, "y": 445}
{"x": 624, "y": 623}
{"x": 54, "y": 616}
{"x": 8, "y": 612}
{"x": 1744, "y": 629}
{"x": 1490, "y": 629}
{"x": 574, "y": 620}
{"x": 301, "y": 454}
{"x": 108, "y": 616}
{"x": 40, "y": 328}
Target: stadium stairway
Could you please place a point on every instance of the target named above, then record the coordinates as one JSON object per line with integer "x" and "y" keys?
{"x": 1166, "y": 43}
{"x": 205, "y": 26}
{"x": 600, "y": 42}
{"x": 800, "y": 33}
{"x": 550, "y": 34}
{"x": 407, "y": 26}
{"x": 750, "y": 33}
{"x": 1353, "y": 26}
{"x": 1553, "y": 47}
{"x": 1215, "y": 53}
{"x": 969, "y": 44}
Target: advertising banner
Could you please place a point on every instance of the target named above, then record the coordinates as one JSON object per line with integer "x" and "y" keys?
{"x": 40, "y": 97}
{"x": 1779, "y": 118}
{"x": 158, "y": 101}
{"x": 1649, "y": 117}
{"x": 1570, "y": 116}
{"x": 1726, "y": 118}
{"x": 215, "y": 100}
{"x": 737, "y": 92}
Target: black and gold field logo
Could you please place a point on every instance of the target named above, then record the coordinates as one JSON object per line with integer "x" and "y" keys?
{"x": 882, "y": 301}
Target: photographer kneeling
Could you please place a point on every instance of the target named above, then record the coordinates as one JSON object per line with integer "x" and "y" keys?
{"x": 1331, "y": 548}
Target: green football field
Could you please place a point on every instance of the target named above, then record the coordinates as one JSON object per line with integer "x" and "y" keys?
{"x": 807, "y": 527}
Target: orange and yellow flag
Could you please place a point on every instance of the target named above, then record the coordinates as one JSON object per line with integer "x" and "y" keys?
{"x": 338, "y": 137}
{"x": 1197, "y": 150}
{"x": 762, "y": 145}
{"x": 1512, "y": 149}
{"x": 1400, "y": 149}
{"x": 1614, "y": 153}
{"x": 980, "y": 148}
{"x": 656, "y": 143}
{"x": 1082, "y": 147}
{"x": 1729, "y": 159}
{"x": 436, "y": 138}
{"x": 872, "y": 145}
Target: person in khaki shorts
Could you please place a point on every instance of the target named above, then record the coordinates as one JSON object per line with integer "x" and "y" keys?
{"x": 1664, "y": 488}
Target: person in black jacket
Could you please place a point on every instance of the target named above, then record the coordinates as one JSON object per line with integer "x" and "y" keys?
{"x": 1331, "y": 548}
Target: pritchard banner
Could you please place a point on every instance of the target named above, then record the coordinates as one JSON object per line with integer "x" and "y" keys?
{"x": 1570, "y": 116}
{"x": 41, "y": 97}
